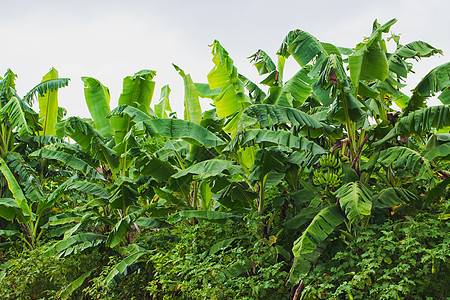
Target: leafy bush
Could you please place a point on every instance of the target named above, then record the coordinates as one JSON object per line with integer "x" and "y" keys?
{"x": 202, "y": 261}
{"x": 402, "y": 260}
{"x": 34, "y": 275}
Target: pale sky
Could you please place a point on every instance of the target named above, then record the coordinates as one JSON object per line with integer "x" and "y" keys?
{"x": 109, "y": 40}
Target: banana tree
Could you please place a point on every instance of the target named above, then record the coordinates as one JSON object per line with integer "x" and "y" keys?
{"x": 355, "y": 100}
{"x": 23, "y": 199}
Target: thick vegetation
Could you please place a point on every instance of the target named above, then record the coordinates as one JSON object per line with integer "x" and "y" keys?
{"x": 312, "y": 187}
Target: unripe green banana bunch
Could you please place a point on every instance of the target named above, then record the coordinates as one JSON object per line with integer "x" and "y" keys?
{"x": 331, "y": 177}
{"x": 318, "y": 178}
{"x": 329, "y": 161}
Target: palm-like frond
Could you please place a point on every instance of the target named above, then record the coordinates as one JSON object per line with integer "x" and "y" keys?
{"x": 269, "y": 115}
{"x": 44, "y": 87}
{"x": 423, "y": 120}
{"x": 27, "y": 177}
{"x": 13, "y": 113}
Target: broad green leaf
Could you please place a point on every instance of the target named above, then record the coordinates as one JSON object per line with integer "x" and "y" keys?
{"x": 224, "y": 75}
{"x": 88, "y": 138}
{"x": 16, "y": 191}
{"x": 406, "y": 159}
{"x": 269, "y": 115}
{"x": 88, "y": 188}
{"x": 80, "y": 238}
{"x": 8, "y": 208}
{"x": 204, "y": 91}
{"x": 138, "y": 90}
{"x": 97, "y": 99}
{"x": 355, "y": 200}
{"x": 438, "y": 151}
{"x": 445, "y": 96}
{"x": 71, "y": 287}
{"x": 262, "y": 62}
{"x": 160, "y": 170}
{"x": 421, "y": 121}
{"x": 418, "y": 49}
{"x": 134, "y": 114}
{"x": 221, "y": 245}
{"x": 318, "y": 230}
{"x": 295, "y": 90}
{"x": 124, "y": 195}
{"x": 192, "y": 109}
{"x": 48, "y": 106}
{"x": 122, "y": 266}
{"x": 369, "y": 61}
{"x": 209, "y": 169}
{"x": 392, "y": 196}
{"x": 206, "y": 214}
{"x": 44, "y": 87}
{"x": 302, "y": 46}
{"x": 13, "y": 112}
{"x": 164, "y": 105}
{"x": 8, "y": 233}
{"x": 66, "y": 159}
{"x": 436, "y": 80}
{"x": 180, "y": 129}
{"x": 117, "y": 235}
{"x": 256, "y": 94}
{"x": 284, "y": 138}
{"x": 301, "y": 218}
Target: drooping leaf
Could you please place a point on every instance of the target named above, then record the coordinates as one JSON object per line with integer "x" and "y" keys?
{"x": 421, "y": 121}
{"x": 210, "y": 169}
{"x": 262, "y": 62}
{"x": 284, "y": 138}
{"x": 90, "y": 188}
{"x": 16, "y": 191}
{"x": 318, "y": 230}
{"x": 418, "y": 49}
{"x": 406, "y": 159}
{"x": 256, "y": 94}
{"x": 44, "y": 87}
{"x": 65, "y": 159}
{"x": 269, "y": 115}
{"x": 302, "y": 46}
{"x": 293, "y": 93}
{"x": 393, "y": 196}
{"x": 435, "y": 81}
{"x": 13, "y": 112}
{"x": 369, "y": 61}
{"x": 71, "y": 287}
{"x": 8, "y": 208}
{"x": 180, "y": 129}
{"x": 122, "y": 266}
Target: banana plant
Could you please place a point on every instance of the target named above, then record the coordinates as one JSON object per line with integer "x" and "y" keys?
{"x": 24, "y": 202}
{"x": 349, "y": 194}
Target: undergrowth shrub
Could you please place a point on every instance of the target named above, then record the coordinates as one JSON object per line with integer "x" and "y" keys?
{"x": 401, "y": 260}
{"x": 185, "y": 264}
{"x": 34, "y": 275}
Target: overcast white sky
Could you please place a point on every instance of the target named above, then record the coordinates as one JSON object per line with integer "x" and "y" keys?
{"x": 109, "y": 40}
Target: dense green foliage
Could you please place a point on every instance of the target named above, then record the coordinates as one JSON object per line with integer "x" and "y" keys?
{"x": 312, "y": 187}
